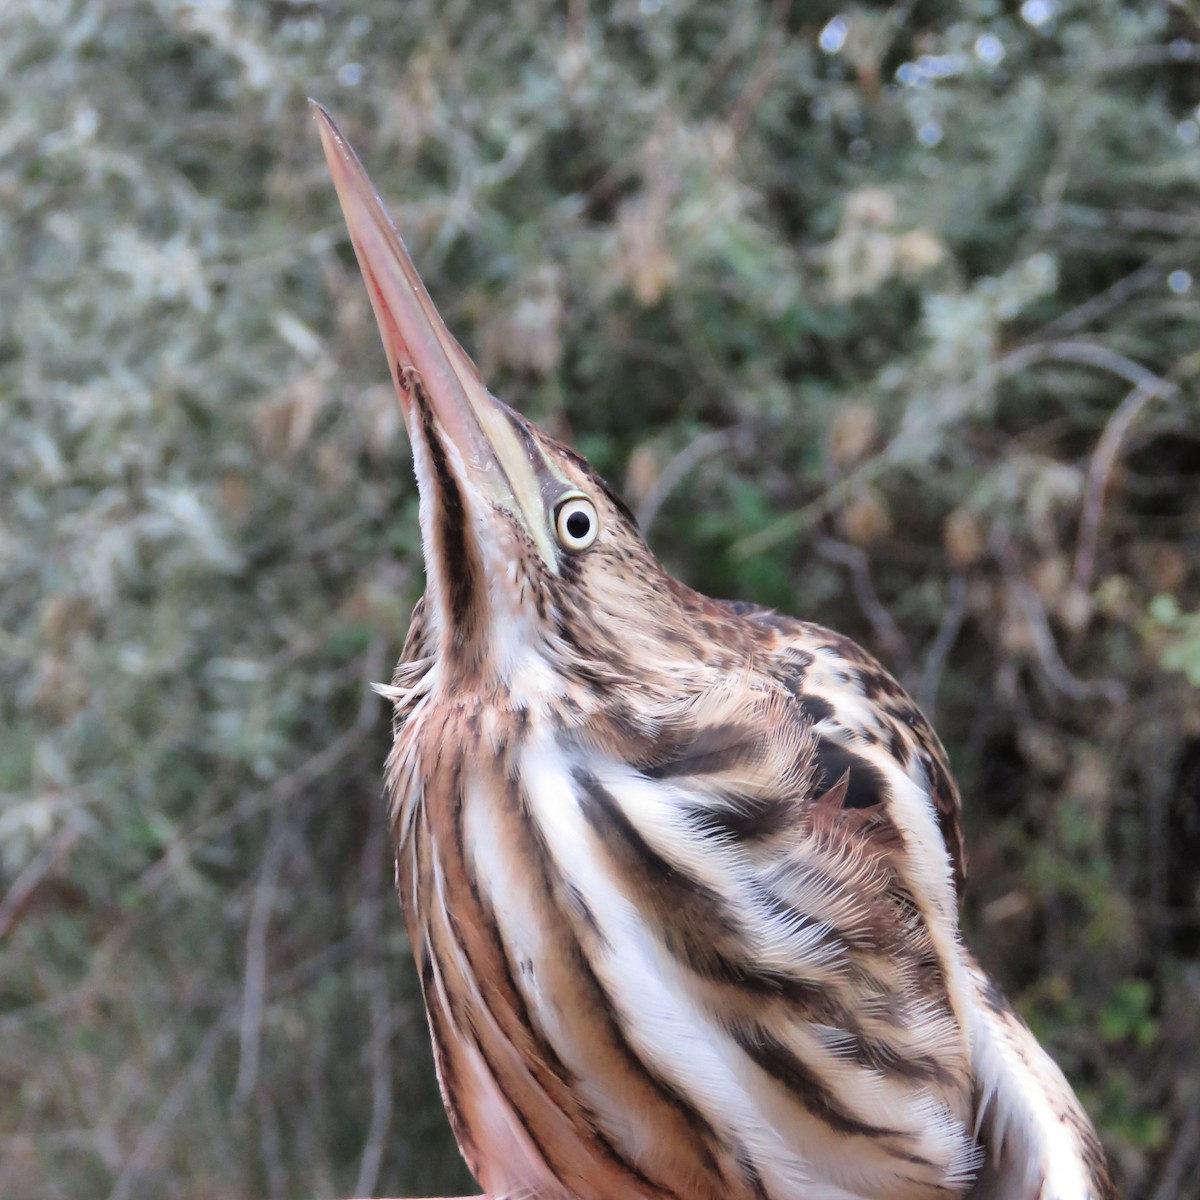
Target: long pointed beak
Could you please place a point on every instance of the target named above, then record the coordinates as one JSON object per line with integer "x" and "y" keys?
{"x": 417, "y": 342}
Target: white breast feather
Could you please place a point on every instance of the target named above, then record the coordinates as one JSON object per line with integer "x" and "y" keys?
{"x": 651, "y": 991}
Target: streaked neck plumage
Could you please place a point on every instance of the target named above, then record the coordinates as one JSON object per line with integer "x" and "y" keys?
{"x": 680, "y": 877}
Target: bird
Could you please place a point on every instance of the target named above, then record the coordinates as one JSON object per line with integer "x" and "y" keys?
{"x": 680, "y": 876}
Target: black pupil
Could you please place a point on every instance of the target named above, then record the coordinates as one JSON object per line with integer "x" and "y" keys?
{"x": 578, "y": 525}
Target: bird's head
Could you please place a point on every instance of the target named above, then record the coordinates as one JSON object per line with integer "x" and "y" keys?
{"x": 530, "y": 557}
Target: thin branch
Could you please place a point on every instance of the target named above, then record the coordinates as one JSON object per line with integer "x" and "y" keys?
{"x": 270, "y": 1144}
{"x": 1054, "y": 670}
{"x": 1185, "y": 1152}
{"x": 31, "y": 876}
{"x": 803, "y": 518}
{"x": 1178, "y": 51}
{"x": 379, "y": 1046}
{"x": 678, "y": 467}
{"x": 953, "y": 615}
{"x": 1150, "y": 220}
{"x": 952, "y": 400}
{"x": 886, "y": 631}
{"x": 286, "y": 786}
{"x": 146, "y": 1150}
{"x": 1100, "y": 470}
{"x": 1092, "y": 354}
{"x": 1099, "y": 305}
{"x": 717, "y": 63}
{"x": 255, "y": 981}
{"x": 762, "y": 70}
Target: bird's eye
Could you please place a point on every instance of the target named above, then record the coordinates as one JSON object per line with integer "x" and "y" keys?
{"x": 576, "y": 523}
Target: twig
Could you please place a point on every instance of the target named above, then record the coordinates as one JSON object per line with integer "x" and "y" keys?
{"x": 798, "y": 520}
{"x": 953, "y": 400}
{"x": 30, "y": 877}
{"x": 762, "y": 69}
{"x": 255, "y": 983}
{"x": 1107, "y": 449}
{"x": 1054, "y": 670}
{"x": 270, "y": 1145}
{"x": 1104, "y": 302}
{"x": 1184, "y": 1152}
{"x": 286, "y": 786}
{"x": 172, "y": 1107}
{"x": 882, "y": 624}
{"x": 723, "y": 56}
{"x": 939, "y": 650}
{"x": 379, "y": 1046}
{"x": 1177, "y": 51}
{"x": 1057, "y": 179}
{"x": 1150, "y": 220}
{"x": 1091, "y": 354}
{"x": 678, "y": 467}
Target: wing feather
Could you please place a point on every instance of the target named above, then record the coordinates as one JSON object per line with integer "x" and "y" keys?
{"x": 829, "y": 675}
{"x": 1040, "y": 1144}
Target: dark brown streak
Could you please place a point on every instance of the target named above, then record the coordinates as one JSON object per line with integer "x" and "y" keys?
{"x": 544, "y": 1051}
{"x": 783, "y": 1065}
{"x": 603, "y": 1007}
{"x": 742, "y": 818}
{"x": 545, "y": 1066}
{"x": 579, "y": 906}
{"x": 708, "y": 750}
{"x": 865, "y": 784}
{"x": 674, "y": 1099}
{"x": 474, "y": 1006}
{"x": 506, "y": 985}
{"x": 887, "y": 1059}
{"x": 779, "y": 910}
{"x": 672, "y": 887}
{"x": 750, "y": 1173}
{"x": 513, "y": 1107}
{"x": 814, "y": 708}
{"x": 718, "y": 956}
{"x": 454, "y": 553}
{"x": 443, "y": 1043}
{"x": 697, "y": 928}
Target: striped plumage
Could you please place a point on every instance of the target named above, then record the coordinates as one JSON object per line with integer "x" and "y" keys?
{"x": 680, "y": 876}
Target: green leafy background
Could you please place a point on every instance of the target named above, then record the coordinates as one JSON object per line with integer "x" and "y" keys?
{"x": 886, "y": 315}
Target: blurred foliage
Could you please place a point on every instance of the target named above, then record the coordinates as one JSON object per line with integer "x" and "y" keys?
{"x": 886, "y": 315}
{"x": 1182, "y": 630}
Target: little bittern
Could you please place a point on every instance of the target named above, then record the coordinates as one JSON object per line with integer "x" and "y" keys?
{"x": 680, "y": 875}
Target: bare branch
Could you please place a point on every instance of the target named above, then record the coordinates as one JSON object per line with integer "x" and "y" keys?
{"x": 286, "y": 786}
{"x": 378, "y": 1049}
{"x": 956, "y": 399}
{"x": 1107, "y": 449}
{"x": 1104, "y": 302}
{"x": 679, "y": 466}
{"x": 762, "y": 70}
{"x": 255, "y": 984}
{"x": 1054, "y": 670}
{"x": 1185, "y": 1153}
{"x": 953, "y": 616}
{"x": 172, "y": 1107}
{"x": 886, "y": 631}
{"x": 30, "y": 877}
